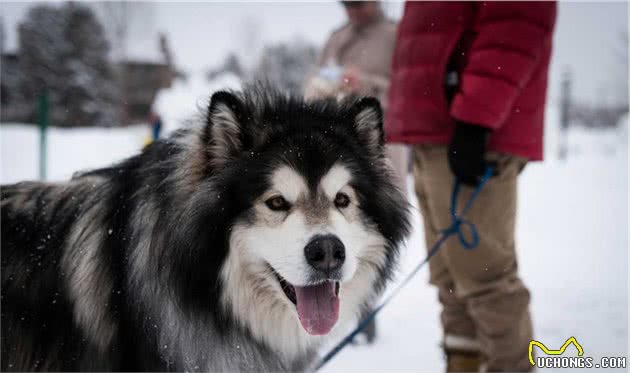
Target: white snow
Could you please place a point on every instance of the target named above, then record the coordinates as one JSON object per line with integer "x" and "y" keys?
{"x": 69, "y": 149}
{"x": 572, "y": 237}
{"x": 186, "y": 99}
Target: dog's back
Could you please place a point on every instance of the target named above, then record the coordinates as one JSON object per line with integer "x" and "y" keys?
{"x": 38, "y": 332}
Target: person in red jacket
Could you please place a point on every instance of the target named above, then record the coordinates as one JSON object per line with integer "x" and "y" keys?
{"x": 468, "y": 90}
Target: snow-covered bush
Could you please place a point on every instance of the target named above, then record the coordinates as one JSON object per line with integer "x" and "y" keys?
{"x": 63, "y": 52}
{"x": 285, "y": 65}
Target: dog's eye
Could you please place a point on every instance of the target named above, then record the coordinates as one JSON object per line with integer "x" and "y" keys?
{"x": 342, "y": 200}
{"x": 278, "y": 203}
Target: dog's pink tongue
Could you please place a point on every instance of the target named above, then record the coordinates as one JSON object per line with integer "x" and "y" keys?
{"x": 318, "y": 307}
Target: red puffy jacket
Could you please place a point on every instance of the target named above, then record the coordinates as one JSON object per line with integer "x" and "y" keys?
{"x": 501, "y": 53}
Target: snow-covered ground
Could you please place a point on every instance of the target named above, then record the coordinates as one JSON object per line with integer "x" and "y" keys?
{"x": 572, "y": 241}
{"x": 69, "y": 150}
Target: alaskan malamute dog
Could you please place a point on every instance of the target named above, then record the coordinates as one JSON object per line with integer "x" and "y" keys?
{"x": 236, "y": 246}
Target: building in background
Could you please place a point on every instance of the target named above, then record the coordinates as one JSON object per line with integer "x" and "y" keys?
{"x": 63, "y": 53}
{"x": 141, "y": 80}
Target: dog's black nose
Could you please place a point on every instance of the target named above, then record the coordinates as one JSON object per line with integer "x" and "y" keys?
{"x": 325, "y": 253}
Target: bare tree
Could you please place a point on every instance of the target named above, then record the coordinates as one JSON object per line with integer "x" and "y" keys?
{"x": 249, "y": 41}
{"x": 286, "y": 64}
{"x": 122, "y": 19}
{"x": 621, "y": 70}
{"x": 2, "y": 35}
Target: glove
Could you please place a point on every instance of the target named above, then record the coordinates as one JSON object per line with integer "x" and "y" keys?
{"x": 466, "y": 153}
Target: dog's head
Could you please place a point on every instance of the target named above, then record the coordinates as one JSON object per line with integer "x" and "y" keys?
{"x": 317, "y": 219}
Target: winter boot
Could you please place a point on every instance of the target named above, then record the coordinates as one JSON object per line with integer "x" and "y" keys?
{"x": 462, "y": 354}
{"x": 463, "y": 361}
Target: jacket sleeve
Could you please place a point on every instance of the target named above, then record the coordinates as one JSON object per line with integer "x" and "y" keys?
{"x": 512, "y": 38}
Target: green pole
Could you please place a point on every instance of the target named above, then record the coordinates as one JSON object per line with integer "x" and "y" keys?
{"x": 43, "y": 127}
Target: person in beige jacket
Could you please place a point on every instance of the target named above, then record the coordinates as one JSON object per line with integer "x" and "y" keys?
{"x": 356, "y": 59}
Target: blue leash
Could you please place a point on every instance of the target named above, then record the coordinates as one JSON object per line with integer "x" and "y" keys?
{"x": 457, "y": 223}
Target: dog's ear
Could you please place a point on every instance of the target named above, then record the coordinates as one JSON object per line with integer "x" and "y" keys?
{"x": 368, "y": 123}
{"x": 224, "y": 127}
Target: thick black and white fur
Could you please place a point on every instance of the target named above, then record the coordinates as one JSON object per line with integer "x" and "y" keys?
{"x": 171, "y": 260}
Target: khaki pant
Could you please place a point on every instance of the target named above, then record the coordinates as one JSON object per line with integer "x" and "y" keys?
{"x": 483, "y": 299}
